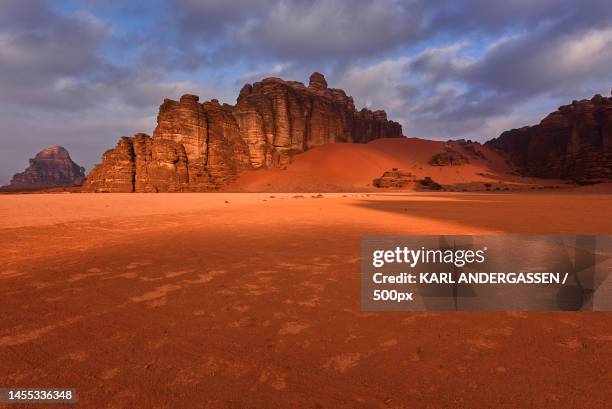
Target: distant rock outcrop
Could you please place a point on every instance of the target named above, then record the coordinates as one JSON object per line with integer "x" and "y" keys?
{"x": 203, "y": 146}
{"x": 472, "y": 148}
{"x": 394, "y": 179}
{"x": 51, "y": 167}
{"x": 449, "y": 157}
{"x": 574, "y": 143}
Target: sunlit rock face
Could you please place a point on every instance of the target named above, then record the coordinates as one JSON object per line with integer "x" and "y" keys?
{"x": 203, "y": 146}
{"x": 51, "y": 167}
{"x": 279, "y": 118}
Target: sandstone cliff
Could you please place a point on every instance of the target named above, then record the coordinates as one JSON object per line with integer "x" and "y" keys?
{"x": 279, "y": 118}
{"x": 574, "y": 143}
{"x": 51, "y": 167}
{"x": 203, "y": 146}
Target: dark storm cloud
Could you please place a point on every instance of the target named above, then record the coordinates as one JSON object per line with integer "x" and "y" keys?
{"x": 560, "y": 43}
{"x": 494, "y": 17}
{"x": 314, "y": 33}
{"x": 550, "y": 54}
{"x": 542, "y": 61}
{"x": 534, "y": 50}
{"x": 215, "y": 18}
{"x": 303, "y": 30}
{"x": 54, "y": 62}
{"x": 37, "y": 46}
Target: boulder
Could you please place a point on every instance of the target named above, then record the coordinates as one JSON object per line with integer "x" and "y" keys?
{"x": 394, "y": 179}
{"x": 427, "y": 183}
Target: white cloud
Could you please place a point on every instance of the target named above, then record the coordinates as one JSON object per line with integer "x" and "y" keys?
{"x": 583, "y": 51}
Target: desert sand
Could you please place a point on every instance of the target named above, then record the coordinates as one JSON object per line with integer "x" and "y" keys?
{"x": 252, "y": 301}
{"x": 346, "y": 167}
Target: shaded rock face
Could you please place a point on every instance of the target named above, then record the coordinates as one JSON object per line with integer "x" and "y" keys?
{"x": 203, "y": 146}
{"x": 574, "y": 142}
{"x": 394, "y": 179}
{"x": 51, "y": 167}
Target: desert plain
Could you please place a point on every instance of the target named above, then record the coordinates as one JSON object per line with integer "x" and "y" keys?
{"x": 251, "y": 300}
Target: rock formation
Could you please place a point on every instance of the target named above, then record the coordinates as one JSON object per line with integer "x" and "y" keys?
{"x": 203, "y": 146}
{"x": 427, "y": 183}
{"x": 51, "y": 167}
{"x": 574, "y": 142}
{"x": 141, "y": 164}
{"x": 279, "y": 118}
{"x": 449, "y": 157}
{"x": 472, "y": 148}
{"x": 394, "y": 179}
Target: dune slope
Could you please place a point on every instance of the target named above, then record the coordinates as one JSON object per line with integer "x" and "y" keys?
{"x": 337, "y": 167}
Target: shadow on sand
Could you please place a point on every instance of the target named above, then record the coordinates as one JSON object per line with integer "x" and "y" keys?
{"x": 497, "y": 212}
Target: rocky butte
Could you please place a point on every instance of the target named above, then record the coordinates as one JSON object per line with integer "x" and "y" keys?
{"x": 203, "y": 146}
{"x": 51, "y": 167}
{"x": 574, "y": 143}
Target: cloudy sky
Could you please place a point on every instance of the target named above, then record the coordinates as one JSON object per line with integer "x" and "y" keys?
{"x": 82, "y": 73}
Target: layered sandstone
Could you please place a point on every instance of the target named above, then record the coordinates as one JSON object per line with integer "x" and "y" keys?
{"x": 51, "y": 167}
{"x": 574, "y": 142}
{"x": 209, "y": 135}
{"x": 141, "y": 164}
{"x": 203, "y": 146}
{"x": 280, "y": 118}
{"x": 394, "y": 179}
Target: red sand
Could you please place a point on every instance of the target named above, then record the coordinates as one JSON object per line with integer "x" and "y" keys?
{"x": 343, "y": 167}
{"x": 181, "y": 301}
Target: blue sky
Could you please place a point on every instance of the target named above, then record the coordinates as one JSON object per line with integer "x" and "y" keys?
{"x": 82, "y": 73}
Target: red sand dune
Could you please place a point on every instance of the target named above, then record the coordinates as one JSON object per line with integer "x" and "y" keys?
{"x": 348, "y": 167}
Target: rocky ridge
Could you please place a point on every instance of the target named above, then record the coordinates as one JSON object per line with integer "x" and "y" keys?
{"x": 573, "y": 143}
{"x": 51, "y": 167}
{"x": 203, "y": 146}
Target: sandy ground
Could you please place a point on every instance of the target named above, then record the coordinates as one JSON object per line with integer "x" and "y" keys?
{"x": 252, "y": 301}
{"x": 348, "y": 167}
